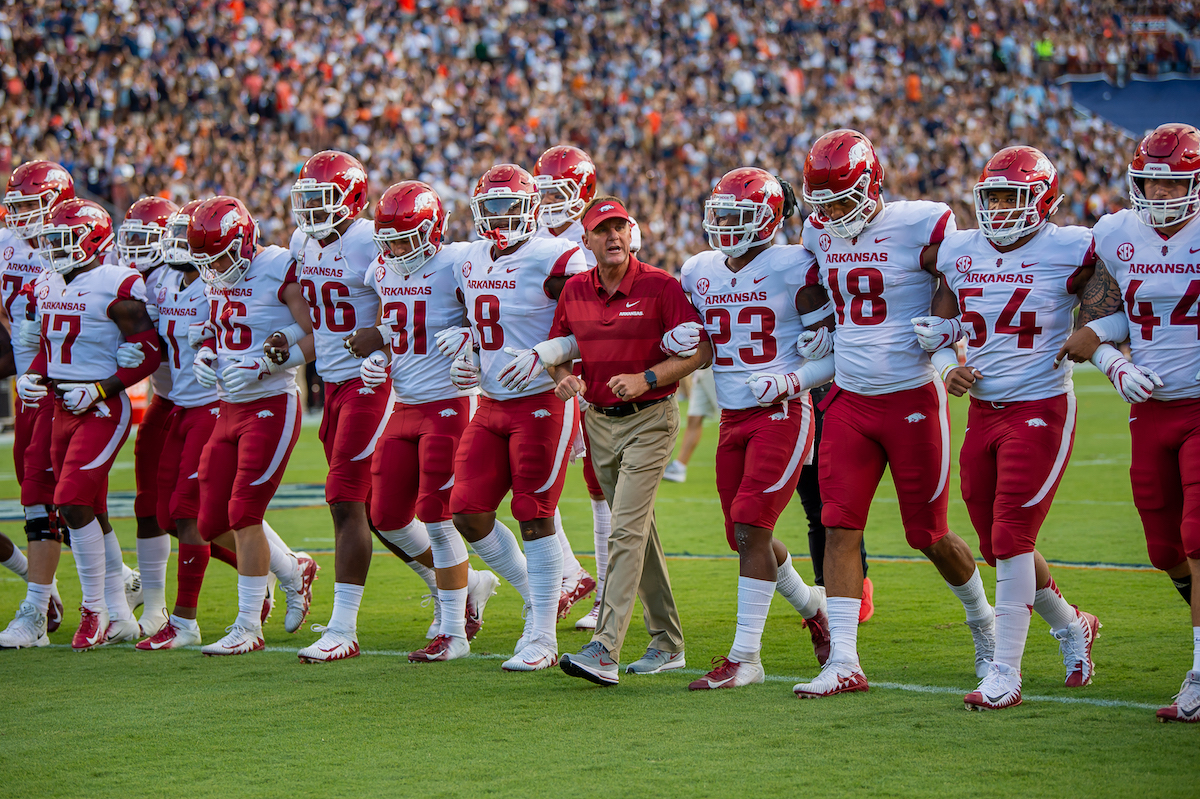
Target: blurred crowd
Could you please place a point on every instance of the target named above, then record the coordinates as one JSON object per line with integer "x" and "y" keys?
{"x": 198, "y": 97}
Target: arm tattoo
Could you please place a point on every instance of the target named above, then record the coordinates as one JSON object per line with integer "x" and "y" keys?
{"x": 1101, "y": 296}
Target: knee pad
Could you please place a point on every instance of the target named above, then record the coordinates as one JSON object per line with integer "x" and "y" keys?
{"x": 42, "y": 530}
{"x": 412, "y": 538}
{"x": 448, "y": 547}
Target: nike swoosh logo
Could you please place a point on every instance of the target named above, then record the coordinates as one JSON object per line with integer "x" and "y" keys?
{"x": 82, "y": 293}
{"x": 1026, "y": 266}
{"x": 1194, "y": 251}
{"x": 995, "y": 700}
{"x": 881, "y": 240}
{"x": 431, "y": 274}
{"x": 631, "y": 304}
{"x": 511, "y": 269}
{"x": 160, "y": 644}
{"x": 533, "y": 662}
{"x": 712, "y": 684}
{"x": 758, "y": 280}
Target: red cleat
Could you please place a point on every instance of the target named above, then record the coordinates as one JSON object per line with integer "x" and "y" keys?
{"x": 92, "y": 628}
{"x": 583, "y": 585}
{"x": 818, "y": 628}
{"x": 867, "y": 610}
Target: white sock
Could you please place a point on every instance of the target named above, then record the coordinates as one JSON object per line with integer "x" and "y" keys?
{"x": 601, "y": 530}
{"x": 570, "y": 563}
{"x": 17, "y": 564}
{"x": 125, "y": 568}
{"x": 454, "y": 611}
{"x": 544, "y": 557}
{"x": 87, "y": 546}
{"x": 973, "y": 598}
{"x": 252, "y": 592}
{"x": 184, "y": 624}
{"x": 448, "y": 547}
{"x": 39, "y": 595}
{"x": 843, "y": 628}
{"x": 283, "y": 561}
{"x": 1015, "y": 587}
{"x": 114, "y": 580}
{"x": 152, "y": 563}
{"x": 1050, "y": 605}
{"x": 499, "y": 550}
{"x": 346, "y": 599}
{"x": 425, "y": 573}
{"x": 1196, "y": 649}
{"x": 791, "y": 586}
{"x": 754, "y": 603}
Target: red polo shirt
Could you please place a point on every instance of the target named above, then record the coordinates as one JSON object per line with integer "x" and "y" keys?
{"x": 620, "y": 334}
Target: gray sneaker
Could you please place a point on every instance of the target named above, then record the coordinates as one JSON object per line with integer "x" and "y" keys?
{"x": 656, "y": 661}
{"x": 675, "y": 472}
{"x": 592, "y": 663}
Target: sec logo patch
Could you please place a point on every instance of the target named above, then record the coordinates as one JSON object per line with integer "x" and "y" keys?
{"x": 380, "y": 273}
{"x": 825, "y": 242}
{"x": 963, "y": 264}
{"x": 702, "y": 286}
{"x": 8, "y": 253}
{"x": 467, "y": 269}
{"x": 1125, "y": 251}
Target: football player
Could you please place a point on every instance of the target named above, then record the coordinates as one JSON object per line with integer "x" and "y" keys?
{"x": 416, "y": 280}
{"x": 745, "y": 291}
{"x": 33, "y": 190}
{"x": 517, "y": 439}
{"x": 1150, "y": 255}
{"x": 87, "y": 307}
{"x": 886, "y": 406}
{"x": 253, "y": 292}
{"x": 1012, "y": 287}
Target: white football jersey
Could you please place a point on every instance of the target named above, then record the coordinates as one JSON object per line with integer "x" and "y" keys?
{"x": 81, "y": 337}
{"x": 247, "y": 314}
{"x": 417, "y": 307}
{"x": 877, "y": 286}
{"x": 19, "y": 265}
{"x": 508, "y": 304}
{"x": 573, "y": 234}
{"x": 750, "y": 315}
{"x": 160, "y": 381}
{"x": 1017, "y": 308}
{"x": 333, "y": 280}
{"x": 180, "y": 307}
{"x": 1160, "y": 283}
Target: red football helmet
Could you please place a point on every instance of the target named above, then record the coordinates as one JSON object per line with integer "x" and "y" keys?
{"x": 222, "y": 226}
{"x": 1028, "y": 172}
{"x": 33, "y": 189}
{"x": 1169, "y": 152}
{"x": 744, "y": 210}
{"x": 139, "y": 239}
{"x": 75, "y": 233}
{"x": 842, "y": 165}
{"x": 566, "y": 178}
{"x": 331, "y": 189}
{"x": 505, "y": 205}
{"x": 410, "y": 214}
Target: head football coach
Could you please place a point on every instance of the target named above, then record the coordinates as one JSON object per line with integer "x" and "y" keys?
{"x": 637, "y": 335}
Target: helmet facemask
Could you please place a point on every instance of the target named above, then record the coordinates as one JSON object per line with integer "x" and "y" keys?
{"x": 506, "y": 217}
{"x": 59, "y": 248}
{"x": 1003, "y": 226}
{"x": 139, "y": 245}
{"x": 560, "y": 202}
{"x": 1169, "y": 212}
{"x": 174, "y": 244}
{"x": 850, "y": 224}
{"x": 318, "y": 208}
{"x": 26, "y": 213}
{"x": 734, "y": 226}
{"x": 231, "y": 276}
{"x": 420, "y": 247}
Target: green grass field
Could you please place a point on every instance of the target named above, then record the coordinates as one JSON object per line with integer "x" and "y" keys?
{"x": 124, "y": 723}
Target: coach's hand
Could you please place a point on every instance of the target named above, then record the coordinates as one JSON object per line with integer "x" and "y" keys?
{"x": 813, "y": 345}
{"x": 202, "y": 367}
{"x": 960, "y": 379}
{"x": 374, "y": 370}
{"x": 681, "y": 340}
{"x": 79, "y": 397}
{"x": 629, "y": 387}
{"x": 453, "y": 341}
{"x": 570, "y": 386}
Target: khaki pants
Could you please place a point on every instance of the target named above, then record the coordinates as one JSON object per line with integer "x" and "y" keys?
{"x": 629, "y": 455}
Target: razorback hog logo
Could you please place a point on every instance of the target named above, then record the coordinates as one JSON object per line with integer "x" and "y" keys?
{"x": 1035, "y": 422}
{"x": 94, "y": 213}
{"x": 8, "y": 253}
{"x": 859, "y": 154}
{"x": 355, "y": 175}
{"x": 228, "y": 221}
{"x": 265, "y": 414}
{"x": 426, "y": 199}
{"x": 702, "y": 286}
{"x": 541, "y": 413}
{"x": 605, "y": 208}
{"x": 584, "y": 168}
{"x": 447, "y": 413}
{"x": 57, "y": 174}
{"x": 366, "y": 390}
{"x": 963, "y": 264}
{"x": 825, "y": 242}
{"x": 1125, "y": 251}
{"x": 913, "y": 418}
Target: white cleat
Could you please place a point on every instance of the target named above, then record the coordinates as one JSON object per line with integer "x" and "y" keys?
{"x": 435, "y": 626}
{"x": 121, "y": 631}
{"x": 334, "y": 644}
{"x": 528, "y": 634}
{"x": 269, "y": 602}
{"x": 237, "y": 641}
{"x": 133, "y": 590}
{"x": 1075, "y": 644}
{"x": 153, "y": 620}
{"x": 534, "y": 657}
{"x": 444, "y": 647}
{"x": 299, "y": 594}
{"x": 27, "y": 629}
{"x": 835, "y": 678}
{"x": 728, "y": 673}
{"x": 592, "y": 618}
{"x": 1186, "y": 707}
{"x": 984, "y": 635}
{"x": 999, "y": 688}
{"x": 486, "y": 584}
{"x": 175, "y": 634}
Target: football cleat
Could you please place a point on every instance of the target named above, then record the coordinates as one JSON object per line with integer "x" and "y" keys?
{"x": 835, "y": 678}
{"x": 27, "y": 629}
{"x": 174, "y": 635}
{"x": 728, "y": 674}
{"x": 56, "y": 611}
{"x": 486, "y": 584}
{"x": 133, "y": 590}
{"x": 867, "y": 609}
{"x": 444, "y": 647}
{"x": 574, "y": 589}
{"x": 534, "y": 657}
{"x": 93, "y": 624}
{"x": 592, "y": 618}
{"x": 122, "y": 631}
{"x": 818, "y": 629}
{"x": 237, "y": 641}
{"x": 1075, "y": 643}
{"x": 269, "y": 602}
{"x": 299, "y": 598}
{"x": 435, "y": 627}
{"x": 984, "y": 635}
{"x": 152, "y": 620}
{"x": 999, "y": 688}
{"x": 334, "y": 644}
{"x": 1186, "y": 707}
{"x": 527, "y": 634}
{"x": 592, "y": 663}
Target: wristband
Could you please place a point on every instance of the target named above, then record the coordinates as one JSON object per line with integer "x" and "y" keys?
{"x": 100, "y": 389}
{"x": 813, "y": 374}
{"x": 386, "y": 332}
{"x": 815, "y": 317}
{"x": 557, "y": 351}
{"x": 944, "y": 360}
{"x": 1111, "y": 328}
{"x": 292, "y": 333}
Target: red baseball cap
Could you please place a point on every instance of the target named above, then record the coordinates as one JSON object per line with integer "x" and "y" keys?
{"x": 610, "y": 209}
